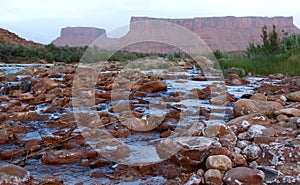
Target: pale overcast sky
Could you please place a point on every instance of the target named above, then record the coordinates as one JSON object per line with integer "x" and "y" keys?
{"x": 41, "y": 20}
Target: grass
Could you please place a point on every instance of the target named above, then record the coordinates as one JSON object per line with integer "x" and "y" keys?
{"x": 265, "y": 65}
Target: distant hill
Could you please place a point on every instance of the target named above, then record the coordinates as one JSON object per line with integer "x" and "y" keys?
{"x": 225, "y": 33}
{"x": 11, "y": 38}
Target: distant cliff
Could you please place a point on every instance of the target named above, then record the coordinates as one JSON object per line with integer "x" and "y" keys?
{"x": 225, "y": 33}
{"x": 11, "y": 38}
{"x": 78, "y": 36}
{"x": 229, "y": 33}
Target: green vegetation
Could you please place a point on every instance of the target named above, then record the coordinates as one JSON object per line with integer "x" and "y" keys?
{"x": 274, "y": 55}
{"x": 10, "y": 53}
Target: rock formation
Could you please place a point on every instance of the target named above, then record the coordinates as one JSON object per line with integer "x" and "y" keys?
{"x": 230, "y": 33}
{"x": 11, "y": 38}
{"x": 225, "y": 33}
{"x": 78, "y": 36}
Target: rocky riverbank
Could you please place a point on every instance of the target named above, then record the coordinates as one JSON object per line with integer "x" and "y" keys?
{"x": 190, "y": 129}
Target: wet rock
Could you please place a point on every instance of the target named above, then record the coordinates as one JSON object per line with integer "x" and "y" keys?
{"x": 244, "y": 175}
{"x": 24, "y": 86}
{"x": 252, "y": 152}
{"x": 33, "y": 145}
{"x": 258, "y": 96}
{"x": 253, "y": 131}
{"x": 246, "y": 106}
{"x": 153, "y": 86}
{"x": 223, "y": 99}
{"x": 50, "y": 180}
{"x": 219, "y": 162}
{"x": 239, "y": 160}
{"x": 62, "y": 157}
{"x": 28, "y": 116}
{"x": 12, "y": 174}
{"x": 289, "y": 112}
{"x": 188, "y": 150}
{"x": 44, "y": 85}
{"x": 122, "y": 133}
{"x": 294, "y": 96}
{"x": 213, "y": 177}
{"x": 234, "y": 79}
{"x": 26, "y": 97}
{"x": 11, "y": 154}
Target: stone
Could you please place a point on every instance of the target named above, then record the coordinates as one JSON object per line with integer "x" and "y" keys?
{"x": 219, "y": 162}
{"x": 294, "y": 96}
{"x": 252, "y": 152}
{"x": 292, "y": 169}
{"x": 258, "y": 96}
{"x": 252, "y": 119}
{"x": 196, "y": 178}
{"x": 239, "y": 160}
{"x": 153, "y": 86}
{"x": 12, "y": 174}
{"x": 246, "y": 106}
{"x": 289, "y": 112}
{"x": 44, "y": 85}
{"x": 213, "y": 177}
{"x": 281, "y": 118}
{"x": 253, "y": 131}
{"x": 234, "y": 79}
{"x": 225, "y": 134}
{"x": 62, "y": 156}
{"x": 26, "y": 96}
{"x": 223, "y": 99}
{"x": 50, "y": 180}
{"x": 4, "y": 136}
{"x": 244, "y": 175}
{"x": 189, "y": 150}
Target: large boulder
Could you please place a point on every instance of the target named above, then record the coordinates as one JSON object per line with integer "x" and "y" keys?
{"x": 189, "y": 150}
{"x": 246, "y": 106}
{"x": 12, "y": 174}
{"x": 244, "y": 175}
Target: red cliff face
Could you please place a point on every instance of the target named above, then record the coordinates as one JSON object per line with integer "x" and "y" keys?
{"x": 11, "y": 38}
{"x": 228, "y": 33}
{"x": 78, "y": 36}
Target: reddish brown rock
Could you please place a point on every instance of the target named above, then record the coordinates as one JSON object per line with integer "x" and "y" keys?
{"x": 252, "y": 152}
{"x": 50, "y": 180}
{"x": 44, "y": 85}
{"x": 190, "y": 150}
{"x": 244, "y": 175}
{"x": 153, "y": 86}
{"x": 62, "y": 157}
{"x": 258, "y": 96}
{"x": 12, "y": 174}
{"x": 213, "y": 177}
{"x": 246, "y": 106}
{"x": 294, "y": 96}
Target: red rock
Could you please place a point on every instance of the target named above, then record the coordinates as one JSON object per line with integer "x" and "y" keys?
{"x": 62, "y": 157}
{"x": 12, "y": 174}
{"x": 11, "y": 154}
{"x": 245, "y": 106}
{"x": 252, "y": 152}
{"x": 25, "y": 97}
{"x": 190, "y": 150}
{"x": 244, "y": 175}
{"x": 258, "y": 96}
{"x": 153, "y": 86}
{"x": 4, "y": 136}
{"x": 170, "y": 171}
{"x": 50, "y": 180}
{"x": 28, "y": 116}
{"x": 32, "y": 145}
{"x": 213, "y": 177}
{"x": 44, "y": 85}
{"x": 122, "y": 133}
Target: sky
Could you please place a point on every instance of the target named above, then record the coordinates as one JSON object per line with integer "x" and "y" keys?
{"x": 41, "y": 21}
